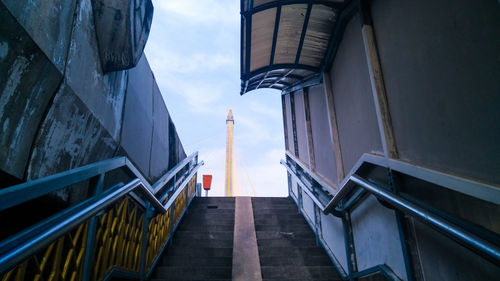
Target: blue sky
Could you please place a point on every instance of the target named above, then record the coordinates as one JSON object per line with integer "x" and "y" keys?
{"x": 193, "y": 49}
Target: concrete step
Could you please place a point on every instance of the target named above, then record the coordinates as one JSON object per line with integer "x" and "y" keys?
{"x": 196, "y": 261}
{"x": 207, "y": 216}
{"x": 268, "y": 211}
{"x": 209, "y": 221}
{"x": 206, "y": 228}
{"x": 290, "y": 252}
{"x": 297, "y": 243}
{"x": 293, "y": 216}
{"x": 211, "y": 200}
{"x": 295, "y": 261}
{"x": 280, "y": 221}
{"x": 300, "y": 272}
{"x": 271, "y": 200}
{"x": 282, "y": 228}
{"x": 193, "y": 272}
{"x": 211, "y": 206}
{"x": 204, "y": 234}
{"x": 176, "y": 251}
{"x": 207, "y": 243}
{"x": 284, "y": 235}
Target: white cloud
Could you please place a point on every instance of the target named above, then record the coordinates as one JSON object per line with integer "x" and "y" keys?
{"x": 207, "y": 11}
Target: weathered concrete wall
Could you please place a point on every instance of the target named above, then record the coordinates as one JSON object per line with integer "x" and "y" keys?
{"x": 324, "y": 156}
{"x": 443, "y": 259}
{"x": 443, "y": 82}
{"x": 59, "y": 110}
{"x": 48, "y": 23}
{"x": 301, "y": 131}
{"x": 333, "y": 234}
{"x": 28, "y": 82}
{"x": 137, "y": 127}
{"x": 376, "y": 237}
{"x": 289, "y": 125}
{"x": 307, "y": 206}
{"x": 355, "y": 110}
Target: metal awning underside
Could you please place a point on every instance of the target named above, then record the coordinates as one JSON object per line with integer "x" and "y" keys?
{"x": 284, "y": 43}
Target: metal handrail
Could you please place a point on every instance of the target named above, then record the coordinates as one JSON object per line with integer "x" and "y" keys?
{"x": 482, "y": 247}
{"x": 16, "y": 249}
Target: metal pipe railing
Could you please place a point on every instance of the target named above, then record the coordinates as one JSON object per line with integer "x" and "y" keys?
{"x": 484, "y": 248}
{"x": 26, "y": 243}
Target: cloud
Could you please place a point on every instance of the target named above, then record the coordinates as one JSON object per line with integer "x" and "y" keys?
{"x": 173, "y": 62}
{"x": 206, "y": 11}
{"x": 265, "y": 110}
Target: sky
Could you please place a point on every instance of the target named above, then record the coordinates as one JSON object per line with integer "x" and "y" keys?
{"x": 194, "y": 52}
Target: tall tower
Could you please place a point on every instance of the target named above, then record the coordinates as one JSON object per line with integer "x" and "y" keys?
{"x": 229, "y": 191}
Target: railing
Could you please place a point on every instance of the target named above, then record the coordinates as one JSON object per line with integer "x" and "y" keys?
{"x": 120, "y": 231}
{"x": 338, "y": 203}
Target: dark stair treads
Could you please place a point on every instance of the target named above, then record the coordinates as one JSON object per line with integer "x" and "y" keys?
{"x": 299, "y": 272}
{"x": 287, "y": 245}
{"x": 174, "y": 251}
{"x": 202, "y": 247}
{"x": 192, "y": 272}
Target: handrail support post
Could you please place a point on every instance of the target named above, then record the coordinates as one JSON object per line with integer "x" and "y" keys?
{"x": 147, "y": 216}
{"x": 89, "y": 246}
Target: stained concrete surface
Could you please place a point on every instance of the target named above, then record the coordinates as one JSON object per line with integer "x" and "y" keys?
{"x": 289, "y": 125}
{"x": 48, "y": 23}
{"x": 443, "y": 82}
{"x": 300, "y": 119}
{"x": 122, "y": 29}
{"x": 354, "y": 107}
{"x": 160, "y": 143}
{"x": 52, "y": 123}
{"x": 376, "y": 237}
{"x": 333, "y": 234}
{"x": 445, "y": 260}
{"x": 324, "y": 155}
{"x": 27, "y": 84}
{"x": 69, "y": 137}
{"x": 103, "y": 94}
{"x": 137, "y": 125}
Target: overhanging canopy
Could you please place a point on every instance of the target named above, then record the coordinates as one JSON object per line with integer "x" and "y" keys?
{"x": 284, "y": 42}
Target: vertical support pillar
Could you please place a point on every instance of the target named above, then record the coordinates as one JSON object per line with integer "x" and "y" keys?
{"x": 89, "y": 247}
{"x": 377, "y": 83}
{"x": 310, "y": 143}
{"x": 294, "y": 124}
{"x": 349, "y": 244}
{"x": 334, "y": 131}
{"x": 317, "y": 224}
{"x": 144, "y": 242}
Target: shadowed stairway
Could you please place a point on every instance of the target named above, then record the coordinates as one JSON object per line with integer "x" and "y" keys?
{"x": 202, "y": 248}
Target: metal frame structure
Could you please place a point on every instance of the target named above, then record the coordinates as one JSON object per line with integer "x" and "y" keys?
{"x": 272, "y": 75}
{"x": 120, "y": 231}
{"x": 341, "y": 200}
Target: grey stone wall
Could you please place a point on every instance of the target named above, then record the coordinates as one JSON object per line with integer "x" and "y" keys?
{"x": 60, "y": 110}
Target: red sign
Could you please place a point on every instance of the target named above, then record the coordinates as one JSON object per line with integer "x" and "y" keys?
{"x": 207, "y": 182}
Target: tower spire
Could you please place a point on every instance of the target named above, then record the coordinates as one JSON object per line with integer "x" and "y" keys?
{"x": 229, "y": 190}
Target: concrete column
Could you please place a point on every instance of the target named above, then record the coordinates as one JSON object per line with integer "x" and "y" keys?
{"x": 334, "y": 131}
{"x": 379, "y": 95}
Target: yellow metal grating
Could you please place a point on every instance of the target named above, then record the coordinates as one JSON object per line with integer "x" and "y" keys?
{"x": 118, "y": 239}
{"x": 61, "y": 260}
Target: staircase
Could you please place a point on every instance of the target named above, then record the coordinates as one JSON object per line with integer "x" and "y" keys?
{"x": 202, "y": 247}
{"x": 287, "y": 246}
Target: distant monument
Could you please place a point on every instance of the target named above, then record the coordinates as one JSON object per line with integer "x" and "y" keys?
{"x": 229, "y": 190}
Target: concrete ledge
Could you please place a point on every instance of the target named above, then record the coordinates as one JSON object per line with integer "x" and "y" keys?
{"x": 246, "y": 264}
